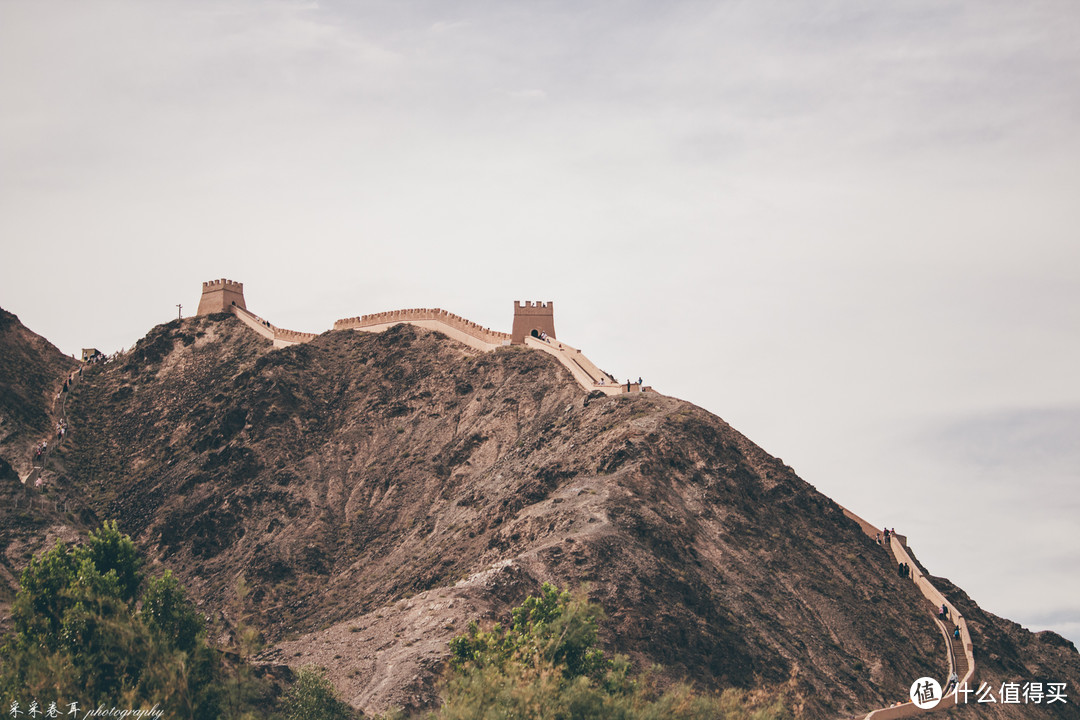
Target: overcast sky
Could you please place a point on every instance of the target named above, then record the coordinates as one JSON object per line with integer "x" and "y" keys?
{"x": 847, "y": 228}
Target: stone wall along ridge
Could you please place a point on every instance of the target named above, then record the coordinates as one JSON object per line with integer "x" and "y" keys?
{"x": 569, "y": 358}
{"x": 898, "y": 546}
{"x": 476, "y": 336}
{"x": 279, "y": 336}
{"x": 414, "y": 315}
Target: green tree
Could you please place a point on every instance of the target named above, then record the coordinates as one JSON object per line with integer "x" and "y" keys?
{"x": 553, "y": 626}
{"x": 41, "y": 601}
{"x": 77, "y": 635}
{"x": 166, "y": 611}
{"x": 113, "y": 552}
{"x": 312, "y": 697}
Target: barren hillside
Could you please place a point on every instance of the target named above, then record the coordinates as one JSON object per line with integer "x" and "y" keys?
{"x": 361, "y": 497}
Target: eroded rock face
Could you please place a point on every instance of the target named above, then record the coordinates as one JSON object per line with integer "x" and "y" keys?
{"x": 375, "y": 492}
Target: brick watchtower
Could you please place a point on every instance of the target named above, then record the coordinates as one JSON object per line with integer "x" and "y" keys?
{"x": 532, "y": 318}
{"x": 220, "y": 296}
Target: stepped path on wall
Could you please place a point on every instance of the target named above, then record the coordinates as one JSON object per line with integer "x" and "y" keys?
{"x": 584, "y": 371}
{"x": 279, "y": 336}
{"x": 960, "y": 652}
{"x": 959, "y": 656}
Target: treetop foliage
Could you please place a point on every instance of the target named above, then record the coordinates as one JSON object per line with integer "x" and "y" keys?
{"x": 113, "y": 552}
{"x": 312, "y": 697}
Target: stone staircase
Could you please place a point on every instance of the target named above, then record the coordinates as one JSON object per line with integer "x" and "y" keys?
{"x": 960, "y": 657}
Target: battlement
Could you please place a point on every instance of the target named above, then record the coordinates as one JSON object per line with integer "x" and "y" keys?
{"x": 533, "y": 318}
{"x": 534, "y": 307}
{"x": 414, "y": 315}
{"x": 293, "y": 336}
{"x": 220, "y": 296}
{"x": 223, "y": 283}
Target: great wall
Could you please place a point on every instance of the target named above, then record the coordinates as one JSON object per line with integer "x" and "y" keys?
{"x": 534, "y": 327}
{"x": 960, "y": 652}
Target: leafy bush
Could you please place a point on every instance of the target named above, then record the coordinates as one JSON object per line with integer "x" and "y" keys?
{"x": 553, "y": 626}
{"x": 546, "y": 666}
{"x": 312, "y": 697}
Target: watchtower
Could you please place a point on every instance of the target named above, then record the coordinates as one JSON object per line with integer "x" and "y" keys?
{"x": 220, "y": 296}
{"x": 532, "y": 318}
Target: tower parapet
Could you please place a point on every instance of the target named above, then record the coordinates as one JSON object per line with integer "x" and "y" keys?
{"x": 532, "y": 318}
{"x": 220, "y": 296}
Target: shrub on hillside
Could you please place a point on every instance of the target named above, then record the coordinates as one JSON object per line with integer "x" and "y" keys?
{"x": 546, "y": 666}
{"x": 312, "y": 697}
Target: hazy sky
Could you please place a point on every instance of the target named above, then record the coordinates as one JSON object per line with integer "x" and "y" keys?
{"x": 848, "y": 228}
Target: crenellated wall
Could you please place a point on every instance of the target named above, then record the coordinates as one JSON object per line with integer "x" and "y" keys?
{"x": 453, "y": 325}
{"x": 293, "y": 336}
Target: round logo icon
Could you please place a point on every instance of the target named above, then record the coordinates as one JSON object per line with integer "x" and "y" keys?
{"x": 925, "y": 693}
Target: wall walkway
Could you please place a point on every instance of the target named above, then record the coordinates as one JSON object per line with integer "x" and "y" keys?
{"x": 584, "y": 371}
{"x": 279, "y": 336}
{"x": 587, "y": 374}
{"x": 960, "y": 655}
{"x": 455, "y": 326}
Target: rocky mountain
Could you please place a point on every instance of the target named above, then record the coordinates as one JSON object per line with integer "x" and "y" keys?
{"x": 32, "y": 370}
{"x": 359, "y": 498}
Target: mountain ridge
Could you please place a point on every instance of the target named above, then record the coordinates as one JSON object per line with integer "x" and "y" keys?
{"x": 342, "y": 478}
